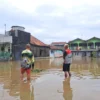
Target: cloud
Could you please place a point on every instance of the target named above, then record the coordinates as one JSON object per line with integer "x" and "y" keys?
{"x": 53, "y": 20}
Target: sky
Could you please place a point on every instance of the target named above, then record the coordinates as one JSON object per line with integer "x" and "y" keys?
{"x": 53, "y": 20}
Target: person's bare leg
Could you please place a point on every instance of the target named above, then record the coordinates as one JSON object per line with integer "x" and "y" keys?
{"x": 29, "y": 74}
{"x": 70, "y": 74}
{"x": 28, "y": 77}
{"x": 67, "y": 74}
{"x": 22, "y": 73}
{"x": 22, "y": 76}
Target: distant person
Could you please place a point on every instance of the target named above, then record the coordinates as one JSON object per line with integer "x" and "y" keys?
{"x": 67, "y": 56}
{"x": 27, "y": 62}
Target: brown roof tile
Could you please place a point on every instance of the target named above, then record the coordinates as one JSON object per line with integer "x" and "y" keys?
{"x": 35, "y": 41}
{"x": 53, "y": 47}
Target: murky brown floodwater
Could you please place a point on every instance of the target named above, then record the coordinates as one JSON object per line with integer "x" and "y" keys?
{"x": 50, "y": 84}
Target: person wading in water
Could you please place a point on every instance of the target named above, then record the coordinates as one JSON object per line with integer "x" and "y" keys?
{"x": 27, "y": 62}
{"x": 67, "y": 56}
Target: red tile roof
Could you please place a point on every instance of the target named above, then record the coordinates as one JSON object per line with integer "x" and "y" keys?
{"x": 53, "y": 47}
{"x": 35, "y": 41}
{"x": 55, "y": 43}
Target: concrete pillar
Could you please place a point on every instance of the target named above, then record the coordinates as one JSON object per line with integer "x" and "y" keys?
{"x": 94, "y": 44}
{"x": 78, "y": 44}
{"x": 87, "y": 46}
{"x": 10, "y": 48}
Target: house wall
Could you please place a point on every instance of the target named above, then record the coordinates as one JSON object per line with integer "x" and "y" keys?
{"x": 59, "y": 46}
{"x": 86, "y": 53}
{"x": 40, "y": 51}
{"x": 20, "y": 37}
{"x": 5, "y": 39}
{"x": 56, "y": 53}
{"x": 16, "y": 51}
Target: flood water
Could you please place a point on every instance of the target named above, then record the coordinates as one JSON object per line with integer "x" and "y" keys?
{"x": 50, "y": 84}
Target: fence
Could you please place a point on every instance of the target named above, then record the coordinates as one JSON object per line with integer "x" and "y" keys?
{"x": 5, "y": 56}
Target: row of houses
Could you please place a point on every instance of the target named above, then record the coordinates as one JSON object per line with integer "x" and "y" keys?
{"x": 14, "y": 41}
{"x": 90, "y": 47}
{"x": 92, "y": 43}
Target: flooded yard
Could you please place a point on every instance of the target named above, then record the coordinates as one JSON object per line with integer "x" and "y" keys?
{"x": 50, "y": 84}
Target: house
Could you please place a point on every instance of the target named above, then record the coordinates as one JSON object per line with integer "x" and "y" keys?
{"x": 92, "y": 43}
{"x": 39, "y": 48}
{"x": 5, "y": 47}
{"x": 19, "y": 40}
{"x": 85, "y": 47}
{"x": 59, "y": 45}
{"x": 56, "y": 49}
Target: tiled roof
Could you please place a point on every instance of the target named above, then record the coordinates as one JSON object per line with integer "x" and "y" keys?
{"x": 35, "y": 41}
{"x": 54, "y": 43}
{"x": 53, "y": 47}
{"x": 93, "y": 38}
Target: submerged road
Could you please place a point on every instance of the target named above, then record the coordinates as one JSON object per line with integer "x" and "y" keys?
{"x": 50, "y": 84}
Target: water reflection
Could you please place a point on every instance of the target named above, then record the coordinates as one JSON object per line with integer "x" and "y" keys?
{"x": 67, "y": 94}
{"x": 10, "y": 78}
{"x": 56, "y": 62}
{"x": 26, "y": 91}
{"x": 15, "y": 81}
{"x": 81, "y": 68}
{"x": 91, "y": 69}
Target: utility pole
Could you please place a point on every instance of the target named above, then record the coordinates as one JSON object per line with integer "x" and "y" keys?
{"x": 5, "y": 28}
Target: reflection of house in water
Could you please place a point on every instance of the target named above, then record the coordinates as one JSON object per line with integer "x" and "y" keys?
{"x": 56, "y": 62}
{"x": 42, "y": 64}
{"x": 90, "y": 68}
{"x": 20, "y": 38}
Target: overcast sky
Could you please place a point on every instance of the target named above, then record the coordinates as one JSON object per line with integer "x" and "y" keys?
{"x": 53, "y": 20}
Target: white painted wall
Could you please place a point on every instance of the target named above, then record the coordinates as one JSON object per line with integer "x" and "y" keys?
{"x": 18, "y": 28}
{"x": 4, "y": 39}
{"x": 56, "y": 53}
